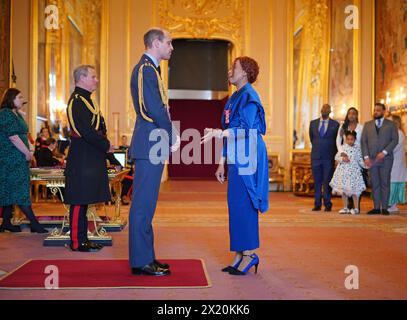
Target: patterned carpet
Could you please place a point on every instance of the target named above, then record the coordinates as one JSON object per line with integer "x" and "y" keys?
{"x": 303, "y": 254}
{"x": 203, "y": 204}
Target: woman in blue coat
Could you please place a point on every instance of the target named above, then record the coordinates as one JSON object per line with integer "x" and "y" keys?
{"x": 245, "y": 153}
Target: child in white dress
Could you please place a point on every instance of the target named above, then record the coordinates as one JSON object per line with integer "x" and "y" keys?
{"x": 347, "y": 179}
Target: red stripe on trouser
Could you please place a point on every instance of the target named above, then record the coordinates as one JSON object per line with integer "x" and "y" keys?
{"x": 74, "y": 228}
{"x": 1, "y": 212}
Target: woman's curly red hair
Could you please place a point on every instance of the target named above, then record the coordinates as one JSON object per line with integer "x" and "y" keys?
{"x": 250, "y": 66}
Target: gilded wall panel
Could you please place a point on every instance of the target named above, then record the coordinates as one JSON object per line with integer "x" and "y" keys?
{"x": 204, "y": 19}
{"x": 341, "y": 61}
{"x": 75, "y": 41}
{"x": 311, "y": 64}
{"x": 5, "y": 6}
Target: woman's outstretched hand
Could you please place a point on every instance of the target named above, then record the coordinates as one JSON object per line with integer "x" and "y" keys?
{"x": 211, "y": 133}
{"x": 220, "y": 173}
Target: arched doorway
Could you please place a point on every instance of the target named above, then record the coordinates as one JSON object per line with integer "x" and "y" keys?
{"x": 198, "y": 89}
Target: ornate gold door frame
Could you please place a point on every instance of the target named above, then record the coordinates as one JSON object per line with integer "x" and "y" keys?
{"x": 210, "y": 19}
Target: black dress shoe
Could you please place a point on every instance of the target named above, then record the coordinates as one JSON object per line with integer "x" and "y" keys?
{"x": 94, "y": 245}
{"x": 161, "y": 265}
{"x": 10, "y": 228}
{"x": 39, "y": 229}
{"x": 328, "y": 209}
{"x": 151, "y": 270}
{"x": 385, "y": 212}
{"x": 316, "y": 208}
{"x": 374, "y": 211}
{"x": 87, "y": 247}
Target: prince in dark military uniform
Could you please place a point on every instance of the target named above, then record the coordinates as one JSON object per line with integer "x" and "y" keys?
{"x": 151, "y": 104}
{"x": 86, "y": 180}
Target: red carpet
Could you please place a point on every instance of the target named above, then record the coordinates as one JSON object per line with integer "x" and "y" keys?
{"x": 105, "y": 274}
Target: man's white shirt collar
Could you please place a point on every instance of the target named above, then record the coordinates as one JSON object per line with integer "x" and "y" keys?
{"x": 152, "y": 58}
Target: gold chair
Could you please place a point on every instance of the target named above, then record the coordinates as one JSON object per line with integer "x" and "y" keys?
{"x": 36, "y": 187}
{"x": 276, "y": 172}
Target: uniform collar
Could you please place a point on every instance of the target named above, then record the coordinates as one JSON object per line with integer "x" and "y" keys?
{"x": 83, "y": 92}
{"x": 155, "y": 61}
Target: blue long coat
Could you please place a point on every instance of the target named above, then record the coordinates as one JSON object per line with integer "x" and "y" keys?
{"x": 246, "y": 155}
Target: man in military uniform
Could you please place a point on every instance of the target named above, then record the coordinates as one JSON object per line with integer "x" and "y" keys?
{"x": 151, "y": 104}
{"x": 86, "y": 179}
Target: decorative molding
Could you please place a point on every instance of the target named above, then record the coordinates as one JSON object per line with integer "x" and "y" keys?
{"x": 318, "y": 30}
{"x": 313, "y": 75}
{"x": 204, "y": 19}
{"x": 104, "y": 59}
{"x": 5, "y": 40}
{"x": 32, "y": 114}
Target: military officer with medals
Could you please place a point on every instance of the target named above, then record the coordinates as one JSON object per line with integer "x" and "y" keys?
{"x": 86, "y": 179}
{"x": 151, "y": 105}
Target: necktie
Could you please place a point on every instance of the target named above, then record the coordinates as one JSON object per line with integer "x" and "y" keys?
{"x": 322, "y": 129}
{"x": 378, "y": 125}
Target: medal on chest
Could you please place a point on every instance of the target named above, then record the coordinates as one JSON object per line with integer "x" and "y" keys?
{"x": 227, "y": 112}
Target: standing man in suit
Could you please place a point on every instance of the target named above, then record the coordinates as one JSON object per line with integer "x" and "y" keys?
{"x": 322, "y": 134}
{"x": 379, "y": 138}
{"x": 151, "y": 104}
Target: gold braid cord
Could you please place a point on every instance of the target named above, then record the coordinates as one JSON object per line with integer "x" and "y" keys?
{"x": 94, "y": 110}
{"x": 163, "y": 92}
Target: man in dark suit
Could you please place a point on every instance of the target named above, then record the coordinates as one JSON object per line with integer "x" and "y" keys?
{"x": 45, "y": 156}
{"x": 322, "y": 134}
{"x": 379, "y": 138}
{"x": 86, "y": 179}
{"x": 153, "y": 124}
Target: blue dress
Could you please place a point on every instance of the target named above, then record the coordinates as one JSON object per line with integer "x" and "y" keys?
{"x": 246, "y": 155}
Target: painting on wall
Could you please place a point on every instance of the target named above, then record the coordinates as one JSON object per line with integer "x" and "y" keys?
{"x": 391, "y": 52}
{"x": 341, "y": 61}
{"x": 4, "y": 45}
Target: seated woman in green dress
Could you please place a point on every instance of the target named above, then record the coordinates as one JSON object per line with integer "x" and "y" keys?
{"x": 14, "y": 163}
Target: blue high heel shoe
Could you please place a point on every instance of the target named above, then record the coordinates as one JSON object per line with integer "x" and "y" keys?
{"x": 235, "y": 266}
{"x": 255, "y": 262}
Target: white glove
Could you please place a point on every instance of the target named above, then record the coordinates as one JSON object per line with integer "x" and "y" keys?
{"x": 176, "y": 145}
{"x": 211, "y": 133}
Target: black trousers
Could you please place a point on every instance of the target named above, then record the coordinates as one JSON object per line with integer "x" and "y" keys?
{"x": 27, "y": 210}
{"x": 78, "y": 224}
